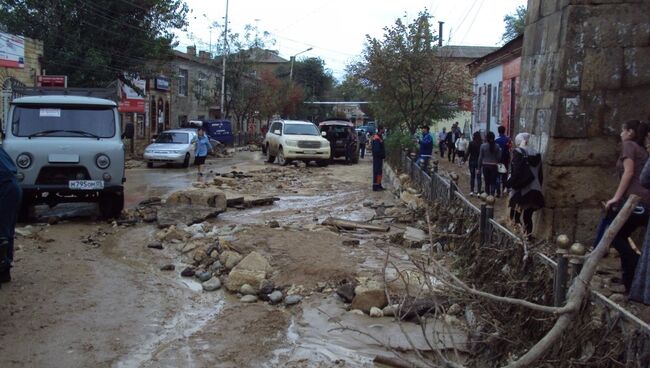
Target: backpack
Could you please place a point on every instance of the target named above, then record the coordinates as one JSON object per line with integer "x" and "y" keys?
{"x": 521, "y": 174}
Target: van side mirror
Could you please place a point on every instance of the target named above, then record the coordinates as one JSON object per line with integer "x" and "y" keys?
{"x": 323, "y": 134}
{"x": 128, "y": 131}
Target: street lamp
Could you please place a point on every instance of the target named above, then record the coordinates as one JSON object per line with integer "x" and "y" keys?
{"x": 293, "y": 58}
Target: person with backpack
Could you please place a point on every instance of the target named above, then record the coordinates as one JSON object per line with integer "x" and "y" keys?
{"x": 489, "y": 157}
{"x": 526, "y": 181}
{"x": 505, "y": 143}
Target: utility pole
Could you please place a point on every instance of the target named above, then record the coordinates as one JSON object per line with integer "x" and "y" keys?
{"x": 223, "y": 66}
{"x": 293, "y": 58}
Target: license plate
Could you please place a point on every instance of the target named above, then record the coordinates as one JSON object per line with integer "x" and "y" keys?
{"x": 86, "y": 184}
{"x": 310, "y": 151}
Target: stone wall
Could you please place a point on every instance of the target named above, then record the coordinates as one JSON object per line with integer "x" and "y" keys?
{"x": 585, "y": 71}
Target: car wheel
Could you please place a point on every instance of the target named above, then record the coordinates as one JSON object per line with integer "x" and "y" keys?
{"x": 186, "y": 161}
{"x": 281, "y": 160}
{"x": 269, "y": 158}
{"x": 111, "y": 204}
{"x": 355, "y": 156}
{"x": 150, "y": 164}
{"x": 322, "y": 163}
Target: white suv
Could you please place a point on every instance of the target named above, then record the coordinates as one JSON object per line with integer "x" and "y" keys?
{"x": 289, "y": 140}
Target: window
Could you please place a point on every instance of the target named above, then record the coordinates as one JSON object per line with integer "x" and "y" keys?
{"x": 301, "y": 129}
{"x": 276, "y": 126}
{"x": 173, "y": 137}
{"x": 499, "y": 101}
{"x": 201, "y": 84}
{"x": 182, "y": 82}
{"x": 66, "y": 121}
{"x": 494, "y": 101}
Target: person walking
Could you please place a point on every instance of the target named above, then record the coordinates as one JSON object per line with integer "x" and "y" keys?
{"x": 442, "y": 137}
{"x": 461, "y": 149}
{"x": 629, "y": 165}
{"x": 426, "y": 149}
{"x": 526, "y": 196}
{"x": 203, "y": 146}
{"x": 505, "y": 143}
{"x": 640, "y": 288}
{"x": 473, "y": 151}
{"x": 363, "y": 140}
{"x": 10, "y": 196}
{"x": 378, "y": 155}
{"x": 489, "y": 157}
{"x": 450, "y": 143}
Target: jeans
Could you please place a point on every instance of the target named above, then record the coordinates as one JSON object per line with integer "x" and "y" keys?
{"x": 451, "y": 154}
{"x": 10, "y": 195}
{"x": 442, "y": 149}
{"x": 362, "y": 150}
{"x": 490, "y": 177}
{"x": 474, "y": 176}
{"x": 377, "y": 168}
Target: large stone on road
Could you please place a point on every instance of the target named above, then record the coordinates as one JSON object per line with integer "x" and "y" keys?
{"x": 368, "y": 296}
{"x": 207, "y": 197}
{"x": 252, "y": 270}
{"x": 184, "y": 214}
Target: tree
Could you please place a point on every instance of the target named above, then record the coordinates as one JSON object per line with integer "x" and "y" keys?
{"x": 515, "y": 24}
{"x": 96, "y": 42}
{"x": 317, "y": 84}
{"x": 409, "y": 83}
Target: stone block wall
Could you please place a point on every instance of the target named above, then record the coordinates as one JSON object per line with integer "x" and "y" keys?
{"x": 585, "y": 71}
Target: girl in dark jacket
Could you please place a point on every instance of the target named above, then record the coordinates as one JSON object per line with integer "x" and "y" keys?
{"x": 472, "y": 157}
{"x": 526, "y": 199}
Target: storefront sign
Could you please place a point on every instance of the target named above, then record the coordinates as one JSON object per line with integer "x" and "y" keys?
{"x": 12, "y": 51}
{"x": 130, "y": 99}
{"x": 52, "y": 81}
{"x": 162, "y": 83}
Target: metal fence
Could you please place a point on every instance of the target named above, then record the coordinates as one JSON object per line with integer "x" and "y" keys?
{"x": 436, "y": 188}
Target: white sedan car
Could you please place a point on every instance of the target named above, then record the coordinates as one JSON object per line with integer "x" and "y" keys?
{"x": 289, "y": 140}
{"x": 172, "y": 146}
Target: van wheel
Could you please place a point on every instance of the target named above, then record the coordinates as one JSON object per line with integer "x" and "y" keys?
{"x": 269, "y": 158}
{"x": 150, "y": 164}
{"x": 355, "y": 156}
{"x": 111, "y": 204}
{"x": 186, "y": 162}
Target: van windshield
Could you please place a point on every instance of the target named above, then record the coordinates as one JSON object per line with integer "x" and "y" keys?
{"x": 63, "y": 121}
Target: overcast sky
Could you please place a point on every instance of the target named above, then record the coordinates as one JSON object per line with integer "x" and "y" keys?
{"x": 336, "y": 29}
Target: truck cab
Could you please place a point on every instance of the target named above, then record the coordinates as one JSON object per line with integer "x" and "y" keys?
{"x": 67, "y": 149}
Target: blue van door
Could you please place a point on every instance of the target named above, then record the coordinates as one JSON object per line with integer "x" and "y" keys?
{"x": 220, "y": 130}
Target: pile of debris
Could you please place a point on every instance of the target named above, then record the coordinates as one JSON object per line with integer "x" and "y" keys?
{"x": 214, "y": 262}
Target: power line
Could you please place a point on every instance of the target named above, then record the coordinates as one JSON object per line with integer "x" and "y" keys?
{"x": 473, "y": 20}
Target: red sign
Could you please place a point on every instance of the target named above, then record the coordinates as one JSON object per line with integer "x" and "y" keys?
{"x": 52, "y": 81}
{"x": 131, "y": 105}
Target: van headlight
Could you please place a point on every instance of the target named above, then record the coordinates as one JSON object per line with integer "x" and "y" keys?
{"x": 24, "y": 160}
{"x": 102, "y": 161}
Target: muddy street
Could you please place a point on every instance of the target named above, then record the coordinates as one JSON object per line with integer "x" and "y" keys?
{"x": 91, "y": 293}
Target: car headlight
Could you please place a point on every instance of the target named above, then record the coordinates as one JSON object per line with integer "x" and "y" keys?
{"x": 24, "y": 160}
{"x": 291, "y": 142}
{"x": 102, "y": 161}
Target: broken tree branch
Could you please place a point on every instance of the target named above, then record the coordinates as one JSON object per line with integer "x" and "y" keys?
{"x": 352, "y": 225}
{"x": 579, "y": 289}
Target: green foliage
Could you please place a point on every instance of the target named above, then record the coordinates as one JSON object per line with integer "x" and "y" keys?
{"x": 408, "y": 82}
{"x": 515, "y": 24}
{"x": 95, "y": 42}
{"x": 400, "y": 139}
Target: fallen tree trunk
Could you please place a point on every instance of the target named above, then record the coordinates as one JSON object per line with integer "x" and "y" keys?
{"x": 353, "y": 225}
{"x": 579, "y": 289}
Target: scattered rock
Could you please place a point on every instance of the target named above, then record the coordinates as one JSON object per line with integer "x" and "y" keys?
{"x": 454, "y": 310}
{"x": 213, "y": 284}
{"x": 414, "y": 237}
{"x": 390, "y": 310}
{"x": 247, "y": 290}
{"x": 427, "y": 247}
{"x": 168, "y": 267}
{"x": 248, "y": 299}
{"x": 208, "y": 197}
{"x": 251, "y": 270}
{"x": 617, "y": 288}
{"x": 186, "y": 214}
{"x": 346, "y": 292}
{"x": 216, "y": 266}
{"x": 170, "y": 234}
{"x": 267, "y": 287}
{"x": 367, "y": 203}
{"x": 25, "y": 231}
{"x": 53, "y": 220}
{"x": 368, "y": 296}
{"x": 275, "y": 297}
{"x": 188, "y": 272}
{"x": 470, "y": 317}
{"x": 203, "y": 276}
{"x": 617, "y": 298}
{"x": 230, "y": 259}
{"x": 376, "y": 312}
{"x": 351, "y": 242}
{"x": 155, "y": 246}
{"x": 292, "y": 299}
{"x": 274, "y": 224}
{"x": 451, "y": 320}
{"x": 357, "y": 311}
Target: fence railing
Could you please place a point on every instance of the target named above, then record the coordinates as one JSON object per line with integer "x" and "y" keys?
{"x": 436, "y": 188}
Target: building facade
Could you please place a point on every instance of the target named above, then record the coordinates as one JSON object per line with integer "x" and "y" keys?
{"x": 20, "y": 65}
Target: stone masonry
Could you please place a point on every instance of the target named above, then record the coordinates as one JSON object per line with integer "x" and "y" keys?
{"x": 585, "y": 71}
